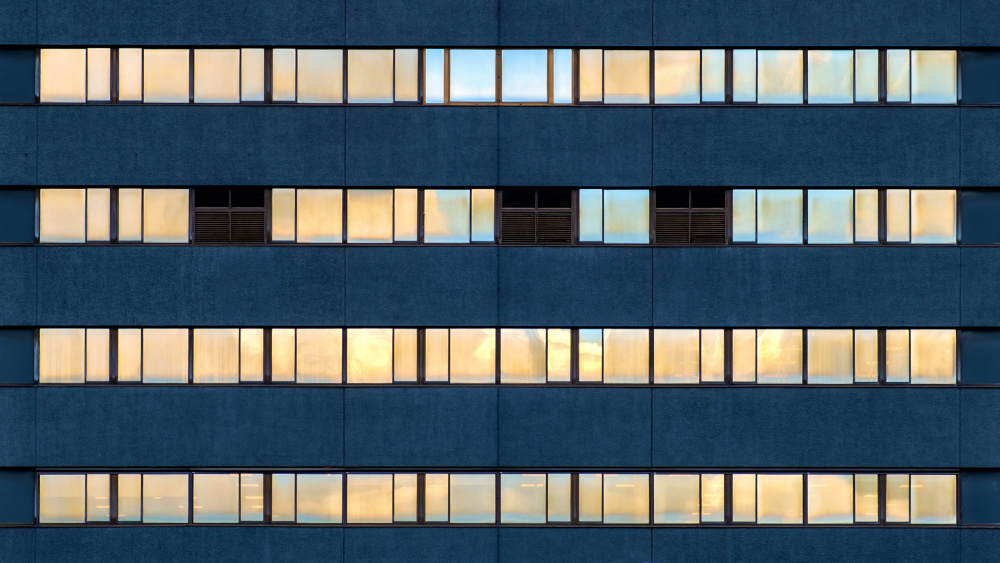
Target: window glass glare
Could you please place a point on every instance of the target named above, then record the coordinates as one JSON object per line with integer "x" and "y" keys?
{"x": 283, "y": 215}
{"x": 744, "y": 355}
{"x": 369, "y": 216}
{"x": 779, "y": 499}
{"x": 98, "y": 214}
{"x": 562, "y": 76}
{"x": 626, "y": 77}
{"x": 678, "y": 75}
{"x": 482, "y": 215}
{"x": 98, "y": 354}
{"x": 626, "y": 216}
{"x": 318, "y": 498}
{"x": 129, "y": 75}
{"x": 866, "y": 75}
{"x": 897, "y": 498}
{"x": 130, "y": 355}
{"x": 61, "y": 215}
{"x": 216, "y": 355}
{"x": 626, "y": 355}
{"x": 897, "y": 75}
{"x": 522, "y": 355}
{"x": 473, "y": 499}
{"x": 370, "y": 76}
{"x": 744, "y": 497}
{"x": 129, "y": 497}
{"x": 713, "y": 488}
{"x": 216, "y": 76}
{"x": 626, "y": 498}
{"x": 865, "y": 215}
{"x": 61, "y": 355}
{"x": 473, "y": 355}
{"x": 591, "y": 215}
{"x": 164, "y": 355}
{"x": 866, "y": 498}
{"x": 404, "y": 497}
{"x": 406, "y": 77}
{"x": 591, "y": 75}
{"x": 283, "y": 75}
{"x": 320, "y": 76}
{"x": 319, "y": 216}
{"x": 405, "y": 220}
{"x": 166, "y": 76}
{"x": 252, "y": 354}
{"x": 434, "y": 76}
{"x": 283, "y": 354}
{"x": 61, "y": 499}
{"x": 935, "y": 77}
{"x": 779, "y": 356}
{"x": 404, "y": 351}
{"x": 897, "y": 356}
{"x": 369, "y": 355}
{"x": 831, "y": 499}
{"x": 317, "y": 355}
{"x": 559, "y": 354}
{"x": 897, "y": 215}
{"x": 932, "y": 356}
{"x": 436, "y": 497}
{"x": 932, "y": 499}
{"x": 713, "y": 355}
{"x": 713, "y": 75}
{"x": 831, "y": 357}
{"x": 63, "y": 75}
{"x": 933, "y": 219}
{"x": 472, "y": 75}
{"x": 436, "y": 354}
{"x": 446, "y": 216}
{"x": 164, "y": 499}
{"x": 831, "y": 216}
{"x": 216, "y": 498}
{"x": 744, "y": 75}
{"x": 166, "y": 216}
{"x": 98, "y": 497}
{"x": 283, "y": 497}
{"x": 865, "y": 356}
{"x": 779, "y": 77}
{"x": 675, "y": 356}
{"x": 99, "y": 74}
{"x": 831, "y": 77}
{"x": 252, "y": 75}
{"x": 559, "y": 488}
{"x": 522, "y": 498}
{"x": 525, "y": 74}
{"x": 591, "y": 507}
{"x": 744, "y": 215}
{"x": 779, "y": 216}
{"x": 369, "y": 499}
{"x": 591, "y": 360}
{"x": 675, "y": 499}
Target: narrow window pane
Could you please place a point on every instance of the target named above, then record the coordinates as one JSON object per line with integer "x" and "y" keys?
{"x": 626, "y": 216}
{"x": 62, "y": 215}
{"x": 63, "y": 76}
{"x": 369, "y": 215}
{"x": 164, "y": 355}
{"x": 591, "y": 75}
{"x": 713, "y": 494}
{"x": 165, "y": 216}
{"x": 744, "y": 75}
{"x": 866, "y": 215}
{"x": 164, "y": 499}
{"x": 61, "y": 355}
{"x": 436, "y": 354}
{"x": 473, "y": 75}
{"x": 932, "y": 356}
{"x": 436, "y": 497}
{"x": 591, "y": 492}
{"x": 473, "y": 355}
{"x": 626, "y": 498}
{"x": 831, "y": 356}
{"x": 282, "y": 354}
{"x": 369, "y": 76}
{"x": 404, "y": 351}
{"x": 252, "y": 497}
{"x": 522, "y": 355}
{"x": 216, "y": 355}
{"x": 831, "y": 216}
{"x": 831, "y": 499}
{"x": 406, "y": 75}
{"x": 318, "y": 498}
{"x": 369, "y": 355}
{"x": 482, "y": 215}
{"x": 898, "y": 75}
{"x": 283, "y": 75}
{"x": 522, "y": 498}
{"x": 591, "y": 215}
{"x": 866, "y": 498}
{"x": 446, "y": 216}
{"x": 626, "y": 77}
{"x": 675, "y": 499}
{"x": 935, "y": 77}
{"x": 779, "y": 356}
{"x": 559, "y": 485}
{"x": 897, "y": 213}
{"x": 252, "y": 354}
{"x": 216, "y": 76}
{"x": 130, "y": 355}
{"x": 744, "y": 355}
{"x": 865, "y": 356}
{"x": 216, "y": 498}
{"x": 473, "y": 499}
{"x": 897, "y": 356}
{"x": 434, "y": 76}
{"x": 320, "y": 76}
{"x": 677, "y": 77}
{"x": 675, "y": 356}
{"x": 713, "y": 75}
{"x": 99, "y": 214}
{"x": 369, "y": 499}
{"x": 744, "y": 497}
{"x": 320, "y": 216}
{"x": 252, "y": 75}
{"x": 98, "y": 354}
{"x": 404, "y": 497}
{"x": 317, "y": 355}
{"x": 779, "y": 499}
{"x": 562, "y": 76}
{"x": 129, "y": 75}
{"x": 405, "y": 215}
{"x": 933, "y": 219}
{"x": 933, "y": 499}
{"x": 98, "y": 497}
{"x": 713, "y": 355}
{"x": 779, "y": 216}
{"x": 626, "y": 355}
{"x": 591, "y": 361}
{"x": 166, "y": 76}
{"x": 525, "y": 75}
{"x": 61, "y": 499}
{"x": 283, "y": 497}
{"x": 130, "y": 497}
{"x": 897, "y": 498}
{"x": 99, "y": 74}
{"x": 866, "y": 75}
{"x": 744, "y": 215}
{"x": 559, "y": 354}
{"x": 283, "y": 215}
{"x": 831, "y": 77}
{"x": 779, "y": 77}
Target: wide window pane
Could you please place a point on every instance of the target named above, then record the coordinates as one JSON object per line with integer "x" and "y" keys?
{"x": 678, "y": 74}
{"x": 99, "y": 214}
{"x": 473, "y": 75}
{"x": 559, "y": 354}
{"x": 779, "y": 499}
{"x": 779, "y": 77}
{"x": 591, "y": 215}
{"x": 591, "y": 75}
{"x": 166, "y": 216}
{"x": 98, "y": 497}
{"x": 626, "y": 499}
{"x": 713, "y": 75}
{"x": 99, "y": 74}
{"x": 434, "y": 76}
{"x": 933, "y": 216}
{"x": 591, "y": 363}
{"x": 898, "y": 75}
{"x": 744, "y": 215}
{"x": 446, "y": 216}
{"x": 897, "y": 498}
{"x": 744, "y": 497}
{"x": 626, "y": 355}
{"x": 252, "y": 497}
{"x": 626, "y": 216}
{"x": 63, "y": 75}
{"x": 525, "y": 75}
{"x": 61, "y": 355}
{"x": 283, "y": 75}
{"x": 675, "y": 499}
{"x": 320, "y": 76}
{"x": 62, "y": 215}
{"x": 369, "y": 499}
{"x": 320, "y": 215}
{"x": 129, "y": 75}
{"x": 164, "y": 355}
{"x": 831, "y": 216}
{"x": 164, "y": 499}
{"x": 369, "y": 215}
{"x": 473, "y": 499}
{"x": 675, "y": 355}
{"x": 216, "y": 355}
{"x": 897, "y": 213}
{"x": 436, "y": 497}
{"x": 933, "y": 499}
{"x": 318, "y": 498}
{"x": 61, "y": 499}
{"x": 744, "y": 75}
{"x": 626, "y": 77}
{"x": 831, "y": 356}
{"x": 252, "y": 75}
{"x": 473, "y": 355}
{"x": 935, "y": 77}
{"x": 404, "y": 497}
{"x": 369, "y": 76}
{"x": 522, "y": 498}
{"x": 779, "y": 356}
{"x": 406, "y": 78}
{"x": 932, "y": 356}
{"x": 522, "y": 355}
{"x": 317, "y": 355}
{"x": 866, "y": 215}
{"x": 831, "y": 499}
{"x": 831, "y": 77}
{"x": 866, "y": 75}
{"x": 369, "y": 355}
{"x": 129, "y": 497}
{"x": 216, "y": 498}
{"x": 779, "y": 216}
{"x": 866, "y": 498}
{"x": 166, "y": 76}
{"x": 217, "y": 76}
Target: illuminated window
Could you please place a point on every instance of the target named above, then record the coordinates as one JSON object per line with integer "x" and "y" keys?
{"x": 591, "y": 497}
{"x": 933, "y": 499}
{"x": 406, "y": 77}
{"x": 779, "y": 356}
{"x": 614, "y": 216}
{"x": 779, "y": 77}
{"x": 166, "y": 76}
{"x": 676, "y": 356}
{"x": 831, "y": 499}
{"x": 472, "y": 75}
{"x": 369, "y": 216}
{"x": 130, "y": 497}
{"x": 676, "y": 499}
{"x": 252, "y": 75}
{"x": 626, "y": 355}
{"x": 865, "y": 356}
{"x": 99, "y": 74}
{"x": 626, "y": 498}
{"x": 318, "y": 498}
{"x": 472, "y": 499}
{"x": 98, "y": 497}
{"x": 62, "y": 215}
{"x": 897, "y": 75}
{"x": 283, "y": 497}
{"x": 317, "y": 355}
{"x": 866, "y": 498}
{"x": 779, "y": 499}
{"x": 61, "y": 355}
{"x": 216, "y": 355}
{"x": 559, "y": 498}
{"x": 164, "y": 355}
{"x": 216, "y": 498}
{"x": 932, "y": 356}
{"x": 934, "y": 77}
{"x": 591, "y": 355}
{"x": 562, "y": 76}
{"x": 744, "y": 497}
{"x": 522, "y": 498}
{"x": 866, "y": 75}
{"x": 283, "y": 75}
{"x": 369, "y": 499}
{"x": 866, "y": 215}
{"x": 626, "y": 77}
{"x": 831, "y": 356}
{"x": 252, "y": 497}
{"x": 61, "y": 499}
{"x": 779, "y": 216}
{"x": 165, "y": 216}
{"x": 320, "y": 76}
{"x": 63, "y": 75}
{"x": 713, "y": 487}
{"x": 744, "y": 75}
{"x": 678, "y": 75}
{"x": 591, "y": 81}
{"x": 130, "y": 75}
{"x": 831, "y": 77}
{"x": 164, "y": 499}
{"x": 831, "y": 216}
{"x": 933, "y": 216}
{"x": 319, "y": 216}
{"x": 897, "y": 498}
{"x": 522, "y": 355}
{"x": 458, "y": 216}
{"x": 216, "y": 76}
{"x": 473, "y": 355}
{"x": 370, "y": 76}
{"x": 436, "y": 497}
{"x": 404, "y": 497}
{"x": 713, "y": 75}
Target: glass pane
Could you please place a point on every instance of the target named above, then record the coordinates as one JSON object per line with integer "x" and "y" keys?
{"x": 559, "y": 354}
{"x": 404, "y": 354}
{"x": 932, "y": 356}
{"x": 317, "y": 355}
{"x": 897, "y": 356}
{"x": 320, "y": 215}
{"x": 865, "y": 356}
{"x": 129, "y": 75}
{"x": 525, "y": 75}
{"x": 165, "y": 216}
{"x": 283, "y": 215}
{"x": 713, "y": 75}
{"x": 831, "y": 499}
{"x": 897, "y": 498}
{"x": 473, "y": 75}
{"x": 217, "y": 76}
{"x": 406, "y": 78}
{"x": 62, "y": 215}
{"x": 404, "y": 497}
{"x": 405, "y": 218}
{"x": 252, "y": 75}
{"x": 320, "y": 76}
{"x": 744, "y": 215}
{"x": 63, "y": 75}
{"x": 898, "y": 75}
{"x": 436, "y": 497}
{"x": 61, "y": 499}
{"x": 866, "y": 75}
{"x": 369, "y": 499}
{"x": 831, "y": 356}
{"x": 744, "y": 497}
{"x": 866, "y": 215}
{"x": 562, "y": 76}
{"x": 282, "y": 354}
{"x": 675, "y": 499}
{"x": 318, "y": 498}
{"x": 779, "y": 216}
{"x": 866, "y": 498}
{"x": 591, "y": 362}
{"x": 779, "y": 77}
{"x": 831, "y": 77}
{"x": 591, "y": 502}
{"x": 61, "y": 355}
{"x": 779, "y": 356}
{"x": 251, "y": 354}
{"x": 436, "y": 354}
{"x": 591, "y": 75}
{"x": 713, "y": 491}
{"x": 164, "y": 499}
{"x": 482, "y": 216}
{"x": 98, "y": 354}
{"x": 283, "y": 497}
{"x": 522, "y": 355}
{"x": 164, "y": 355}
{"x": 473, "y": 499}
{"x": 369, "y": 356}
{"x": 216, "y": 355}
{"x": 933, "y": 219}
{"x": 473, "y": 355}
{"x": 744, "y": 75}
{"x": 744, "y": 355}
{"x": 129, "y": 497}
{"x": 591, "y": 215}
{"x": 831, "y": 216}
{"x": 675, "y": 355}
{"x": 713, "y": 355}
{"x": 446, "y": 216}
{"x": 522, "y": 498}
{"x": 369, "y": 215}
{"x": 779, "y": 499}
{"x": 98, "y": 497}
{"x": 933, "y": 499}
{"x": 897, "y": 215}
{"x": 626, "y": 498}
{"x": 283, "y": 75}
{"x": 434, "y": 76}
{"x": 677, "y": 77}
{"x": 626, "y": 216}
{"x": 935, "y": 77}
{"x": 369, "y": 77}
{"x": 99, "y": 74}
{"x": 99, "y": 214}
{"x": 166, "y": 76}
{"x": 216, "y": 498}
{"x": 559, "y": 485}
{"x": 626, "y": 77}
{"x": 626, "y": 355}
{"x": 129, "y": 354}
{"x": 252, "y": 497}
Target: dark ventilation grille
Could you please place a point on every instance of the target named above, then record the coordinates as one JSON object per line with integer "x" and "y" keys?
{"x": 542, "y": 217}
{"x": 696, "y": 216}
{"x": 517, "y": 227}
{"x": 708, "y": 228}
{"x": 211, "y": 227}
{"x": 555, "y": 227}
{"x": 672, "y": 228}
{"x": 248, "y": 227}
{"x": 218, "y": 222}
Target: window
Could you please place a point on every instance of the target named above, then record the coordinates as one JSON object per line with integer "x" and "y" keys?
{"x": 831, "y": 499}
{"x": 72, "y": 355}
{"x": 318, "y": 498}
{"x": 217, "y": 76}
{"x": 165, "y": 355}
{"x": 675, "y": 499}
{"x": 381, "y": 355}
{"x": 831, "y": 77}
{"x": 767, "y": 356}
{"x": 74, "y": 215}
{"x": 932, "y": 499}
{"x": 688, "y": 355}
{"x": 164, "y": 499}
{"x": 157, "y": 215}
{"x": 99, "y": 75}
{"x": 166, "y": 76}
{"x": 472, "y": 499}
{"x": 523, "y": 498}
{"x": 925, "y": 356}
{"x": 779, "y": 499}
{"x": 934, "y": 77}
{"x": 713, "y": 75}
{"x": 252, "y": 75}
{"x": 216, "y": 498}
{"x": 536, "y": 217}
{"x": 614, "y": 216}
{"x": 525, "y": 76}
{"x": 626, "y": 498}
{"x": 767, "y": 216}
{"x": 779, "y": 77}
{"x": 472, "y": 75}
{"x": 458, "y": 216}
{"x": 370, "y": 76}
{"x": 369, "y": 499}
{"x": 744, "y": 75}
{"x": 283, "y": 75}
{"x": 319, "y": 76}
{"x": 678, "y": 77}
{"x": 695, "y": 216}
{"x": 831, "y": 356}
{"x": 831, "y": 216}
{"x": 63, "y": 75}
{"x": 62, "y": 499}
{"x": 369, "y": 216}
{"x": 229, "y": 216}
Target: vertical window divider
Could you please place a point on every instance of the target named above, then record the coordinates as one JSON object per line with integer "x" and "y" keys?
{"x": 652, "y": 366}
{"x": 550, "y": 86}
{"x": 190, "y": 377}
{"x": 881, "y": 357}
{"x": 805, "y": 497}
{"x": 574, "y": 356}
{"x": 652, "y": 78}
{"x": 344, "y": 60}
{"x": 343, "y": 371}
{"x": 805, "y": 355}
{"x": 882, "y": 498}
{"x": 36, "y": 337}
{"x": 727, "y": 356}
{"x": 267, "y": 497}
{"x": 496, "y": 501}
{"x": 267, "y": 357}
{"x": 113, "y": 498}
{"x": 805, "y": 76}
{"x": 190, "y": 516}
{"x": 576, "y": 77}
{"x": 421, "y": 356}
{"x": 883, "y": 76}
{"x": 343, "y": 494}
{"x": 421, "y": 96}
{"x": 805, "y": 216}
{"x": 38, "y": 75}
{"x": 421, "y": 498}
{"x": 191, "y": 75}
{"x": 652, "y": 214}
{"x": 729, "y": 216}
{"x": 114, "y": 76}
{"x": 883, "y": 221}
{"x": 447, "y": 76}
{"x": 38, "y": 214}
{"x": 729, "y": 76}
{"x": 420, "y": 215}
{"x": 727, "y": 498}
{"x": 112, "y": 356}
{"x": 497, "y": 82}
{"x": 574, "y": 216}
{"x": 574, "y": 498}
{"x": 268, "y": 75}
{"x": 113, "y": 219}
{"x": 497, "y": 366}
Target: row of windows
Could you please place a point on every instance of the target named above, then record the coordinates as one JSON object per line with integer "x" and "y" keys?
{"x": 511, "y": 216}
{"x": 488, "y": 76}
{"x": 504, "y": 498}
{"x": 623, "y": 356}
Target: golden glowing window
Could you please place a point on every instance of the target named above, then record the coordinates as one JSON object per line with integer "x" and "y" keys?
{"x": 370, "y": 76}
{"x": 779, "y": 77}
{"x": 318, "y": 498}
{"x": 522, "y": 355}
{"x": 831, "y": 356}
{"x": 831, "y": 77}
{"x": 320, "y": 76}
{"x": 713, "y": 75}
{"x": 626, "y": 77}
{"x": 676, "y": 499}
{"x": 164, "y": 499}
{"x": 744, "y": 75}
{"x": 164, "y": 355}
{"x": 252, "y": 75}
{"x": 216, "y": 355}
{"x": 216, "y": 76}
{"x": 165, "y": 215}
{"x": 897, "y": 75}
{"x": 61, "y": 499}
{"x": 934, "y": 77}
{"x": 522, "y": 498}
{"x": 216, "y": 498}
{"x": 779, "y": 499}
{"x": 933, "y": 499}
{"x": 626, "y": 355}
{"x": 283, "y": 87}
{"x": 166, "y": 76}
{"x": 318, "y": 355}
{"x": 62, "y": 215}
{"x": 830, "y": 499}
{"x": 472, "y": 499}
{"x": 678, "y": 76}
{"x": 99, "y": 74}
{"x": 626, "y": 498}
{"x": 130, "y": 75}
{"x": 369, "y": 499}
{"x": 406, "y": 78}
{"x": 63, "y": 75}
{"x": 319, "y": 216}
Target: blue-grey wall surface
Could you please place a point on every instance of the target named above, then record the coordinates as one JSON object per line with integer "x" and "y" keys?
{"x": 980, "y": 209}
{"x": 17, "y": 216}
{"x": 980, "y": 357}
{"x": 17, "y": 355}
{"x": 980, "y": 497}
{"x": 17, "y": 489}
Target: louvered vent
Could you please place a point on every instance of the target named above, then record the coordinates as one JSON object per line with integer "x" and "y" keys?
{"x": 215, "y": 221}
{"x": 555, "y": 227}
{"x": 672, "y": 228}
{"x": 542, "y": 217}
{"x": 708, "y": 228}
{"x": 248, "y": 227}
{"x": 517, "y": 227}
{"x": 211, "y": 227}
